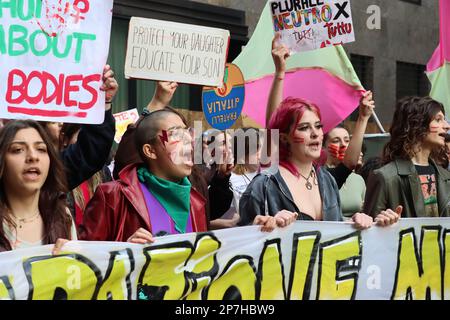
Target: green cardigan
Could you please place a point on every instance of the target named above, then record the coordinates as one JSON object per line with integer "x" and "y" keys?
{"x": 397, "y": 183}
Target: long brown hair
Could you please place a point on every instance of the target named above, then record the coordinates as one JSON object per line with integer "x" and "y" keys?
{"x": 410, "y": 126}
{"x": 52, "y": 205}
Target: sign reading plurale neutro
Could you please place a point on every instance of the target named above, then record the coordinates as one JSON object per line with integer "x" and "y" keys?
{"x": 169, "y": 51}
{"x": 313, "y": 24}
{"x": 52, "y": 57}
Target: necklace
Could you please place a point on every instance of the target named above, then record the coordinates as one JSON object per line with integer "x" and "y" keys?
{"x": 308, "y": 184}
{"x": 22, "y": 221}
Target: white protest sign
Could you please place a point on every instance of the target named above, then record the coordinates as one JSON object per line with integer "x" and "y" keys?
{"x": 53, "y": 53}
{"x": 169, "y": 51}
{"x": 312, "y": 24}
{"x": 123, "y": 120}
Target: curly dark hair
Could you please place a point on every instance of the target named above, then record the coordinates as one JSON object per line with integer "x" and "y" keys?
{"x": 52, "y": 201}
{"x": 410, "y": 126}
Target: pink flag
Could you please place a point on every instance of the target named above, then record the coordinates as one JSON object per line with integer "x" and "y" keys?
{"x": 442, "y": 52}
{"x": 336, "y": 98}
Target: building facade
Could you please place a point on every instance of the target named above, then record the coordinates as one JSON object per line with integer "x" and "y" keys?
{"x": 389, "y": 59}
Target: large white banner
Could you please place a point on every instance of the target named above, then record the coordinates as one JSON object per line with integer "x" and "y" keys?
{"x": 307, "y": 260}
{"x": 170, "y": 51}
{"x": 52, "y": 57}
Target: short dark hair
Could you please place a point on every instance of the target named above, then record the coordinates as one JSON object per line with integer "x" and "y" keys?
{"x": 327, "y": 135}
{"x": 148, "y": 127}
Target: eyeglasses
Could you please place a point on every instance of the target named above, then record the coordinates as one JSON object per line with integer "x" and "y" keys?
{"x": 176, "y": 135}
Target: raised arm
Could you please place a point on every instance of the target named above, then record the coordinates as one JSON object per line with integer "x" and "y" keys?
{"x": 279, "y": 54}
{"x": 91, "y": 151}
{"x": 366, "y": 107}
{"x": 163, "y": 95}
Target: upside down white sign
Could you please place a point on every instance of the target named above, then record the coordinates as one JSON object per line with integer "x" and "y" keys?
{"x": 308, "y": 260}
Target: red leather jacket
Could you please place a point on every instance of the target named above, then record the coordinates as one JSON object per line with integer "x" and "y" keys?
{"x": 118, "y": 210}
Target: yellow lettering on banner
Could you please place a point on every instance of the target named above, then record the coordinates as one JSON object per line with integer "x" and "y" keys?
{"x": 338, "y": 256}
{"x": 116, "y": 284}
{"x": 237, "y": 281}
{"x": 163, "y": 277}
{"x": 303, "y": 257}
{"x": 4, "y": 293}
{"x": 202, "y": 283}
{"x": 271, "y": 272}
{"x": 64, "y": 277}
{"x": 447, "y": 265}
{"x": 202, "y": 265}
{"x": 6, "y": 290}
{"x": 418, "y": 275}
{"x": 204, "y": 257}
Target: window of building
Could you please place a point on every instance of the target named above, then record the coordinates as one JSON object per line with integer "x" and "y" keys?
{"x": 411, "y": 80}
{"x": 363, "y": 66}
{"x": 418, "y": 2}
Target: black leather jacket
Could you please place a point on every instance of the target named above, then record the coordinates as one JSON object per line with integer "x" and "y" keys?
{"x": 268, "y": 194}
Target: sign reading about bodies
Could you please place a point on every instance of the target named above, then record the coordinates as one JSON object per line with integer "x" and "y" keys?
{"x": 307, "y": 25}
{"x": 169, "y": 51}
{"x": 52, "y": 57}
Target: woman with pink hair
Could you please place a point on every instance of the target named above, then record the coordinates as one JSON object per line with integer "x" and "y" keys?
{"x": 299, "y": 189}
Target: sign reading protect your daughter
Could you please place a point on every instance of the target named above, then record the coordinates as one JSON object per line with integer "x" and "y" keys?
{"x": 169, "y": 51}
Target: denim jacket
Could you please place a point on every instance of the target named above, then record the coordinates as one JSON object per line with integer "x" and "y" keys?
{"x": 269, "y": 194}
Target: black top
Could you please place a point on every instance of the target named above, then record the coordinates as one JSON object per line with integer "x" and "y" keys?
{"x": 269, "y": 194}
{"x": 340, "y": 174}
{"x": 427, "y": 179}
{"x": 91, "y": 151}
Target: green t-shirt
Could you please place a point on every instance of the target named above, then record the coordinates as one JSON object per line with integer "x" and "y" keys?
{"x": 352, "y": 195}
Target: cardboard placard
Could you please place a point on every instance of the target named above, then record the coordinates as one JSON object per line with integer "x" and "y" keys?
{"x": 52, "y": 56}
{"x": 169, "y": 51}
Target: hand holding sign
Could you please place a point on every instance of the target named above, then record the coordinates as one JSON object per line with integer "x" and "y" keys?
{"x": 280, "y": 53}
{"x": 163, "y": 95}
{"x": 366, "y": 105}
{"x": 110, "y": 86}
{"x": 165, "y": 91}
{"x": 388, "y": 217}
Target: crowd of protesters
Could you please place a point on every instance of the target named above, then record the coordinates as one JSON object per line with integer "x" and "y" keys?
{"x": 56, "y": 185}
